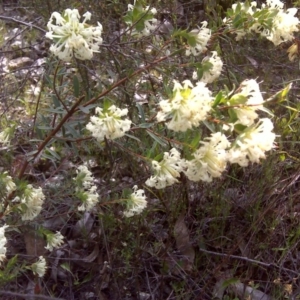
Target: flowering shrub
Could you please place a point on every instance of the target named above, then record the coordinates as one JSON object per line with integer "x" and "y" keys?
{"x": 170, "y": 109}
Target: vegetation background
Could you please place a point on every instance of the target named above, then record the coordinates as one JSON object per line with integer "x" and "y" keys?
{"x": 236, "y": 238}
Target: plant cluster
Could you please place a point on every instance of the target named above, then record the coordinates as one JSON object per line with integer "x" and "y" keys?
{"x": 172, "y": 126}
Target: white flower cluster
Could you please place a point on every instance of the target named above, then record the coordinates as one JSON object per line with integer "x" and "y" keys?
{"x": 214, "y": 70}
{"x": 255, "y": 137}
{"x": 7, "y": 134}
{"x": 72, "y": 37}
{"x": 210, "y": 159}
{"x": 247, "y": 102}
{"x": 187, "y": 108}
{"x": 3, "y": 242}
{"x": 5, "y": 137}
{"x": 54, "y": 240}
{"x": 293, "y": 52}
{"x": 198, "y": 39}
{"x": 246, "y": 8}
{"x": 86, "y": 191}
{"x": 167, "y": 171}
{"x": 108, "y": 124}
{"x": 251, "y": 145}
{"x": 7, "y": 184}
{"x": 283, "y": 22}
{"x": 31, "y": 202}
{"x": 39, "y": 268}
{"x": 142, "y": 23}
{"x": 136, "y": 202}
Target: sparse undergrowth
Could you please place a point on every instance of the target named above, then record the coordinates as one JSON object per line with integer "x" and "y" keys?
{"x": 195, "y": 240}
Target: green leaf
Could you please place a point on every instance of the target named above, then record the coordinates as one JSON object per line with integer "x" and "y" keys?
{"x": 55, "y": 101}
{"x": 218, "y": 99}
{"x": 230, "y": 281}
{"x": 191, "y": 40}
{"x": 159, "y": 157}
{"x": 145, "y": 125}
{"x": 76, "y": 86}
{"x": 209, "y": 126}
{"x": 66, "y": 267}
{"x": 232, "y": 115}
{"x": 157, "y": 139}
{"x": 282, "y": 157}
{"x": 238, "y": 99}
{"x": 70, "y": 129}
{"x": 58, "y": 110}
{"x": 132, "y": 137}
{"x": 195, "y": 142}
{"x": 53, "y": 153}
{"x": 141, "y": 113}
{"x": 86, "y": 109}
{"x": 45, "y": 127}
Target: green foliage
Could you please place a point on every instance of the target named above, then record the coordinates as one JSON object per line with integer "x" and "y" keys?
{"x": 10, "y": 272}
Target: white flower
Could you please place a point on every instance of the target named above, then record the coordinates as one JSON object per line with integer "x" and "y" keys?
{"x": 84, "y": 177}
{"x": 7, "y": 183}
{"x": 3, "y": 242}
{"x": 283, "y": 22}
{"x": 88, "y": 198}
{"x": 6, "y": 135}
{"x": 39, "y": 268}
{"x": 275, "y": 3}
{"x": 284, "y": 25}
{"x": 167, "y": 171}
{"x": 246, "y": 8}
{"x": 54, "y": 240}
{"x": 209, "y": 160}
{"x": 72, "y": 37}
{"x": 31, "y": 202}
{"x": 249, "y": 99}
{"x": 195, "y": 76}
{"x": 200, "y": 39}
{"x": 136, "y": 202}
{"x": 108, "y": 123}
{"x": 252, "y": 144}
{"x": 33, "y": 90}
{"x": 215, "y": 71}
{"x": 293, "y": 52}
{"x": 141, "y": 23}
{"x": 86, "y": 191}
{"x": 188, "y": 106}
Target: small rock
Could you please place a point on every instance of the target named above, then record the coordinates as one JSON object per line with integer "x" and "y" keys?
{"x": 20, "y": 62}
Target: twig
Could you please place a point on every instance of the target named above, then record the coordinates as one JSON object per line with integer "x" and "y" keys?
{"x": 140, "y": 70}
{"x": 55, "y": 90}
{"x": 25, "y": 296}
{"x": 23, "y": 23}
{"x": 51, "y": 135}
{"x": 268, "y": 265}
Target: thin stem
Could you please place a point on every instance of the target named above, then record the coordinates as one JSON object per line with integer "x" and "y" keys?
{"x": 51, "y": 135}
{"x": 28, "y": 296}
{"x": 23, "y": 23}
{"x": 93, "y": 100}
{"x": 254, "y": 261}
{"x": 54, "y": 88}
{"x": 37, "y": 106}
